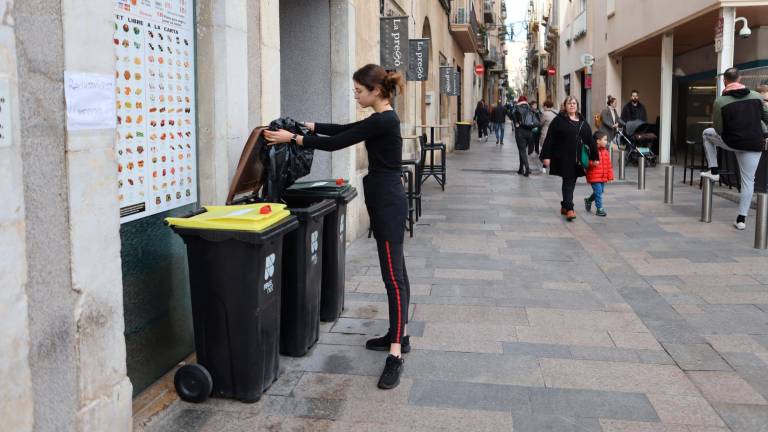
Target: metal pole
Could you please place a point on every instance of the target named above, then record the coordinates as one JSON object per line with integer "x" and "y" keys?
{"x": 761, "y": 223}
{"x": 706, "y": 201}
{"x": 622, "y": 163}
{"x": 669, "y": 184}
{"x": 641, "y": 173}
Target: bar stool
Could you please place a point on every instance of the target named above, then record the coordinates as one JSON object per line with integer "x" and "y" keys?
{"x": 690, "y": 148}
{"x": 417, "y": 165}
{"x": 431, "y": 170}
{"x": 724, "y": 162}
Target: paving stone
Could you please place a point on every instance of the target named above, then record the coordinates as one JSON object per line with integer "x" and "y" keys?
{"x": 329, "y": 409}
{"x": 350, "y": 387}
{"x": 744, "y": 418}
{"x": 735, "y": 343}
{"x": 605, "y": 354}
{"x": 595, "y": 320}
{"x": 537, "y": 350}
{"x": 564, "y": 336}
{"x": 607, "y": 376}
{"x": 726, "y": 387}
{"x": 476, "y": 396}
{"x": 373, "y": 326}
{"x": 474, "y": 367}
{"x": 442, "y": 331}
{"x": 633, "y": 340}
{"x": 590, "y": 403}
{"x": 454, "y": 273}
{"x": 654, "y": 357}
{"x": 425, "y": 418}
{"x": 687, "y": 410}
{"x": 692, "y": 357}
{"x": 471, "y": 314}
{"x": 631, "y": 426}
{"x": 538, "y": 423}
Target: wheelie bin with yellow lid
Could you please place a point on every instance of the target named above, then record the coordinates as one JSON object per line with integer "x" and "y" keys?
{"x": 235, "y": 266}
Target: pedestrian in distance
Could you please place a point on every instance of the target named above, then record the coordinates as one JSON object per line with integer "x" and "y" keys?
{"x": 634, "y": 110}
{"x": 537, "y": 130}
{"x": 739, "y": 119}
{"x": 547, "y": 115}
{"x": 482, "y": 117}
{"x": 610, "y": 121}
{"x": 384, "y": 197}
{"x": 525, "y": 120}
{"x": 598, "y": 174}
{"x": 498, "y": 118}
{"x": 568, "y": 136}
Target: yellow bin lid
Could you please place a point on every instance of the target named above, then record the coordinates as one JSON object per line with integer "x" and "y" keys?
{"x": 250, "y": 217}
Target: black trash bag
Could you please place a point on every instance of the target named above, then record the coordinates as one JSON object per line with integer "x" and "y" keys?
{"x": 285, "y": 163}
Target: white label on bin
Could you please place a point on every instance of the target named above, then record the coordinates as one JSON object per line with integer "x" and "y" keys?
{"x": 314, "y": 246}
{"x": 319, "y": 184}
{"x": 341, "y": 227}
{"x": 269, "y": 271}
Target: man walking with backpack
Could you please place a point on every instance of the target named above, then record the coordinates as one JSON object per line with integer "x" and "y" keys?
{"x": 739, "y": 118}
{"x": 526, "y": 120}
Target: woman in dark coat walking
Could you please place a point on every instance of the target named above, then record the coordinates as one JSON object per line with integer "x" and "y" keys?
{"x": 482, "y": 117}
{"x": 567, "y": 133}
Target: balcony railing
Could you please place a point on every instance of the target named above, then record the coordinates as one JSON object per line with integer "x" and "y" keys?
{"x": 579, "y": 26}
{"x": 488, "y": 14}
{"x": 464, "y": 26}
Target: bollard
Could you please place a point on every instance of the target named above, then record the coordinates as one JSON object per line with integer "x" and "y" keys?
{"x": 669, "y": 184}
{"x": 641, "y": 173}
{"x": 761, "y": 222}
{"x": 622, "y": 165}
{"x": 706, "y": 200}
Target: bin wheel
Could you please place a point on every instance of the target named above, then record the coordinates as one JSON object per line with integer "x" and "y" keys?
{"x": 193, "y": 383}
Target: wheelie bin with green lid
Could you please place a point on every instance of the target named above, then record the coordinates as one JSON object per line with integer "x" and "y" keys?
{"x": 334, "y": 237}
{"x": 235, "y": 268}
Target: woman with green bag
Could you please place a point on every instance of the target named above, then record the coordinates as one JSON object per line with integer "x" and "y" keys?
{"x": 567, "y": 150}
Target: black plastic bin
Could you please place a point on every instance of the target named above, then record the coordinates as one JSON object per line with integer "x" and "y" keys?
{"x": 302, "y": 279}
{"x": 235, "y": 284}
{"x": 303, "y": 194}
{"x": 463, "y": 134}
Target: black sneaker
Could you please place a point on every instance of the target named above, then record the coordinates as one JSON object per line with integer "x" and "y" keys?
{"x": 390, "y": 377}
{"x": 588, "y": 204}
{"x": 383, "y": 343}
{"x": 601, "y": 212}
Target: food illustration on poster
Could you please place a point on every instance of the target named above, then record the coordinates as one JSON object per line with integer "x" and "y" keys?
{"x": 155, "y": 90}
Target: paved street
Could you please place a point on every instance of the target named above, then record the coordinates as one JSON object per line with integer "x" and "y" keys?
{"x": 644, "y": 321}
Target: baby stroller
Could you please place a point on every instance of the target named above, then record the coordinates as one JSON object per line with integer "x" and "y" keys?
{"x": 641, "y": 143}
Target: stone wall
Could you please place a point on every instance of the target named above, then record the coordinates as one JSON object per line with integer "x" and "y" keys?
{"x": 16, "y": 410}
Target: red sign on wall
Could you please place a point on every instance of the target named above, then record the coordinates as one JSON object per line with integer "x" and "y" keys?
{"x": 588, "y": 82}
{"x": 480, "y": 69}
{"x": 551, "y": 71}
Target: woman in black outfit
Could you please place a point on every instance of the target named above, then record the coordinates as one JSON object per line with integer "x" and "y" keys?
{"x": 482, "y": 117}
{"x": 562, "y": 146}
{"x": 384, "y": 197}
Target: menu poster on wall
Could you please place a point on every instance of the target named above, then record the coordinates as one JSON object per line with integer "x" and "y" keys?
{"x": 155, "y": 78}
{"x": 5, "y": 113}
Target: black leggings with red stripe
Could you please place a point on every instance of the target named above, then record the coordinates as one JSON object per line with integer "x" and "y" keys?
{"x": 392, "y": 262}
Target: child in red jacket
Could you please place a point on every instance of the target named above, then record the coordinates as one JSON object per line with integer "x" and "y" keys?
{"x": 599, "y": 174}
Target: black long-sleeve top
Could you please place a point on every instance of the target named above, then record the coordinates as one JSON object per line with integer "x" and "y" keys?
{"x": 380, "y": 131}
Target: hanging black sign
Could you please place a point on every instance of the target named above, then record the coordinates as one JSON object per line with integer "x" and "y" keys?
{"x": 418, "y": 60}
{"x": 446, "y": 80}
{"x": 394, "y": 42}
{"x": 455, "y": 85}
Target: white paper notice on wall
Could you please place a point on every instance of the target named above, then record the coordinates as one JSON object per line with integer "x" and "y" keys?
{"x": 90, "y": 101}
{"x": 5, "y": 113}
